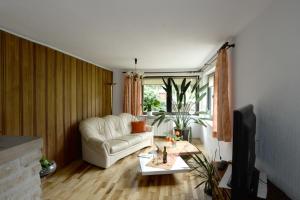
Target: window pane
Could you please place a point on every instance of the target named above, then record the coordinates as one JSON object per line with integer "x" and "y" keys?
{"x": 190, "y": 97}
{"x": 157, "y": 92}
{"x": 210, "y": 94}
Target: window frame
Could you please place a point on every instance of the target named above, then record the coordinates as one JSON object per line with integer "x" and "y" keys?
{"x": 210, "y": 101}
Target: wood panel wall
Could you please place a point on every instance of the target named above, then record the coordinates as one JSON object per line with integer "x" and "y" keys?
{"x": 46, "y": 93}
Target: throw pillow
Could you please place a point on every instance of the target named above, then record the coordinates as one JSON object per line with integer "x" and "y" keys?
{"x": 138, "y": 126}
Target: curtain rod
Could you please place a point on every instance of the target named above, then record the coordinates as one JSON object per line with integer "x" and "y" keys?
{"x": 226, "y": 45}
{"x": 182, "y": 72}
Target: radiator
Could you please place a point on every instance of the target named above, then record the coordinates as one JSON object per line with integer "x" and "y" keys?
{"x": 163, "y": 129}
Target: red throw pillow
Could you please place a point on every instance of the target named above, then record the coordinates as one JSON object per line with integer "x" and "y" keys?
{"x": 138, "y": 126}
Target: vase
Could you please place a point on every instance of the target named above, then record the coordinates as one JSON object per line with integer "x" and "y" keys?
{"x": 174, "y": 144}
{"x": 149, "y": 113}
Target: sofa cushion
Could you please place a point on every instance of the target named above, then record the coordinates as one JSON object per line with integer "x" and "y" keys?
{"x": 127, "y": 119}
{"x": 93, "y": 128}
{"x": 114, "y": 126}
{"x": 131, "y": 139}
{"x": 116, "y": 145}
{"x": 145, "y": 135}
{"x": 138, "y": 126}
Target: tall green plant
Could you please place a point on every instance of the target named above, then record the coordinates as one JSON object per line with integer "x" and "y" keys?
{"x": 183, "y": 104}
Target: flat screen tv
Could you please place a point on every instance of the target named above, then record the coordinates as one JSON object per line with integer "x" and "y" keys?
{"x": 244, "y": 178}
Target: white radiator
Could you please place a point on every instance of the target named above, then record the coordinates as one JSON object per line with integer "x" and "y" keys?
{"x": 163, "y": 129}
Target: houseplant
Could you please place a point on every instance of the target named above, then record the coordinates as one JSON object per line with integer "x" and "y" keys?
{"x": 48, "y": 167}
{"x": 150, "y": 102}
{"x": 182, "y": 105}
{"x": 204, "y": 169}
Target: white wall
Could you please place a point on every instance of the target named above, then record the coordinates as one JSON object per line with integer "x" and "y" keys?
{"x": 267, "y": 70}
{"x": 118, "y": 78}
{"x": 211, "y": 144}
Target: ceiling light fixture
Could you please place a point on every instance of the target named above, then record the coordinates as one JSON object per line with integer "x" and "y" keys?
{"x": 135, "y": 74}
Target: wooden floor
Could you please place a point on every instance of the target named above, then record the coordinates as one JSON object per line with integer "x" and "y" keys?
{"x": 80, "y": 180}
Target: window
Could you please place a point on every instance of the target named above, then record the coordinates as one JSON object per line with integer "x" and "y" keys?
{"x": 153, "y": 86}
{"x": 210, "y": 93}
{"x": 189, "y": 95}
{"x": 159, "y": 93}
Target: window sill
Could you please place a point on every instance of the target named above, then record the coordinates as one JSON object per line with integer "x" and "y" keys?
{"x": 209, "y": 123}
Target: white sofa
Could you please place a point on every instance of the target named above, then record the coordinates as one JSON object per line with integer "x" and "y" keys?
{"x": 108, "y": 139}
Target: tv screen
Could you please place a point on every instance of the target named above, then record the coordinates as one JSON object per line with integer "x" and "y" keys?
{"x": 244, "y": 179}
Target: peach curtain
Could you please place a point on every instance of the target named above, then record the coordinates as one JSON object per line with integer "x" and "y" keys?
{"x": 222, "y": 110}
{"x": 132, "y": 95}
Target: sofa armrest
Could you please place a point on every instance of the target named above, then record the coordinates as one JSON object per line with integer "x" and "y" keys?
{"x": 97, "y": 144}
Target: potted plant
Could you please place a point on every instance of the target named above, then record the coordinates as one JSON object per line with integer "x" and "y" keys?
{"x": 149, "y": 103}
{"x": 204, "y": 169}
{"x": 48, "y": 167}
{"x": 182, "y": 116}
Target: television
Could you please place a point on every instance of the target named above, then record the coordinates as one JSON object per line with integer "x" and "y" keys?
{"x": 244, "y": 178}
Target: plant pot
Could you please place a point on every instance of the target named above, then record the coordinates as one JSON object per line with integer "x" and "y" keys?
{"x": 207, "y": 197}
{"x": 208, "y": 190}
{"x": 51, "y": 169}
{"x": 184, "y": 133}
{"x": 149, "y": 113}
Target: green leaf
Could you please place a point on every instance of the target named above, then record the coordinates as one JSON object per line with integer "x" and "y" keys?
{"x": 183, "y": 84}
{"x": 195, "y": 85}
{"x": 160, "y": 121}
{"x": 184, "y": 89}
{"x": 175, "y": 86}
{"x": 165, "y": 82}
{"x": 201, "y": 183}
{"x": 198, "y": 99}
{"x": 165, "y": 88}
{"x": 202, "y": 88}
{"x": 156, "y": 120}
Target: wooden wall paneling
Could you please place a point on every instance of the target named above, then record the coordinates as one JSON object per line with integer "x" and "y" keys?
{"x": 46, "y": 93}
{"x": 1, "y": 85}
{"x": 27, "y": 87}
{"x": 50, "y": 105}
{"x": 109, "y": 91}
{"x": 93, "y": 88}
{"x": 100, "y": 75}
{"x": 79, "y": 89}
{"x": 67, "y": 105}
{"x": 74, "y": 134}
{"x": 40, "y": 93}
{"x": 100, "y": 91}
{"x": 89, "y": 78}
{"x": 12, "y": 85}
{"x": 97, "y": 94}
{"x": 85, "y": 90}
{"x": 59, "y": 101}
{"x": 104, "y": 93}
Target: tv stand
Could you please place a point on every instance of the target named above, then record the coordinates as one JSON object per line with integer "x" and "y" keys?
{"x": 274, "y": 193}
{"x": 255, "y": 183}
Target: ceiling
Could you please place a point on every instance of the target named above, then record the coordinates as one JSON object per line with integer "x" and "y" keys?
{"x": 162, "y": 34}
